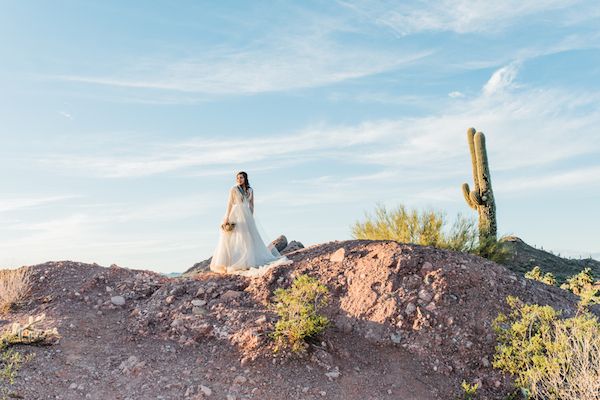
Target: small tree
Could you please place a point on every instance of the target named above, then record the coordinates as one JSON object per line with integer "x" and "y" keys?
{"x": 424, "y": 227}
{"x": 298, "y": 310}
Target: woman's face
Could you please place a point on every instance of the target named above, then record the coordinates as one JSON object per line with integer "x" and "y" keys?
{"x": 240, "y": 179}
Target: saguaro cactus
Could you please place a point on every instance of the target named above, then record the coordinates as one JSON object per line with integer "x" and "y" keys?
{"x": 481, "y": 198}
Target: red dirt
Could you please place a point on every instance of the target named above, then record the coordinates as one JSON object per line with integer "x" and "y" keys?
{"x": 409, "y": 322}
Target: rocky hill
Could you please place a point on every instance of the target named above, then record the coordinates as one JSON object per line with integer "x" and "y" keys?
{"x": 523, "y": 257}
{"x": 409, "y": 322}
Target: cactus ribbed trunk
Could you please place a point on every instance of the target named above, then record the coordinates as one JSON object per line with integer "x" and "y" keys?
{"x": 481, "y": 198}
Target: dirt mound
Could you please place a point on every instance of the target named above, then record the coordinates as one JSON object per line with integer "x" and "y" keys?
{"x": 409, "y": 322}
{"x": 524, "y": 257}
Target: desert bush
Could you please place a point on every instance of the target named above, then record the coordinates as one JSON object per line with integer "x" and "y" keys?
{"x": 14, "y": 287}
{"x": 469, "y": 390}
{"x": 424, "y": 227}
{"x": 493, "y": 249}
{"x": 298, "y": 310}
{"x": 551, "y": 358}
{"x": 583, "y": 286}
{"x": 538, "y": 275}
{"x": 428, "y": 228}
{"x": 11, "y": 362}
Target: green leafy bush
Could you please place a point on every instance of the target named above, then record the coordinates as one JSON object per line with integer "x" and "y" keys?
{"x": 551, "y": 358}
{"x": 583, "y": 286}
{"x": 538, "y": 275}
{"x": 428, "y": 228}
{"x": 419, "y": 227}
{"x": 298, "y": 310}
{"x": 10, "y": 363}
{"x": 469, "y": 391}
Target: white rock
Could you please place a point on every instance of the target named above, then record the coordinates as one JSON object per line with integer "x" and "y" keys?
{"x": 333, "y": 374}
{"x": 205, "y": 390}
{"x": 338, "y": 256}
{"x": 117, "y": 300}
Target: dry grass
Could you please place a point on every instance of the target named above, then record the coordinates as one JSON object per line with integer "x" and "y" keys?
{"x": 14, "y": 287}
{"x": 575, "y": 373}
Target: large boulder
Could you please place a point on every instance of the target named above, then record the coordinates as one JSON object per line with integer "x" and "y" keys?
{"x": 280, "y": 243}
{"x": 292, "y": 246}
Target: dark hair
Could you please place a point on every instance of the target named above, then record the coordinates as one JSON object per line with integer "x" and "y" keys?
{"x": 246, "y": 182}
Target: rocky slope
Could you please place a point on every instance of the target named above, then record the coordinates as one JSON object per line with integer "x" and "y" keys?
{"x": 524, "y": 257}
{"x": 409, "y": 322}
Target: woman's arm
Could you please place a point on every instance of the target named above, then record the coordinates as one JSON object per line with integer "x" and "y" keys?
{"x": 251, "y": 200}
{"x": 229, "y": 206}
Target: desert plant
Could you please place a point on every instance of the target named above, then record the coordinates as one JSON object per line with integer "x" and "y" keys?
{"x": 551, "y": 358}
{"x": 10, "y": 363}
{"x": 583, "y": 286}
{"x": 574, "y": 366}
{"x": 298, "y": 310}
{"x": 469, "y": 390}
{"x": 481, "y": 198}
{"x": 28, "y": 333}
{"x": 14, "y": 286}
{"x": 493, "y": 249}
{"x": 425, "y": 227}
{"x": 537, "y": 274}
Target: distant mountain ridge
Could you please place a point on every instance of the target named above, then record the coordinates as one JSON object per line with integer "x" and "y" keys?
{"x": 524, "y": 257}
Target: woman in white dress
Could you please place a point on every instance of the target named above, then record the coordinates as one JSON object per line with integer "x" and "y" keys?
{"x": 241, "y": 250}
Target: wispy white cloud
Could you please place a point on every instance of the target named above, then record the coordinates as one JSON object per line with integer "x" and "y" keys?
{"x": 588, "y": 176}
{"x": 8, "y": 204}
{"x": 525, "y": 127}
{"x": 460, "y": 16}
{"x": 66, "y": 114}
{"x": 501, "y": 80}
{"x": 305, "y": 53}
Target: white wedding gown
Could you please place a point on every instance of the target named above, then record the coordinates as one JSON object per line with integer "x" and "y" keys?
{"x": 242, "y": 250}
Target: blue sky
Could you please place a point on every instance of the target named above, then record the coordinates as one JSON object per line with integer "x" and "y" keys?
{"x": 122, "y": 124}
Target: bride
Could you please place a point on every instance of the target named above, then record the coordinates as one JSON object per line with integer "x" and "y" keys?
{"x": 241, "y": 250}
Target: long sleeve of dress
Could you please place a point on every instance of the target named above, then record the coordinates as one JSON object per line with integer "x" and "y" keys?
{"x": 251, "y": 199}
{"x": 229, "y": 204}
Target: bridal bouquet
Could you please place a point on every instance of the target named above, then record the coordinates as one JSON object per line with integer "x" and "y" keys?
{"x": 228, "y": 226}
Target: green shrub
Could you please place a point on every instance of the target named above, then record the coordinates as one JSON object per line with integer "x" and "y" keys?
{"x": 298, "y": 310}
{"x": 551, "y": 358}
{"x": 583, "y": 286}
{"x": 492, "y": 249}
{"x": 538, "y": 275}
{"x": 10, "y": 363}
{"x": 469, "y": 391}
{"x": 419, "y": 227}
{"x": 428, "y": 228}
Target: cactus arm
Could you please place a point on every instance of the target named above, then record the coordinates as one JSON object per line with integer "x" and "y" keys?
{"x": 471, "y": 141}
{"x": 467, "y": 194}
{"x": 483, "y": 171}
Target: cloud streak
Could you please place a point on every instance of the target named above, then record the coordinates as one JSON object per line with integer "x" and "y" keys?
{"x": 8, "y": 204}
{"x": 460, "y": 16}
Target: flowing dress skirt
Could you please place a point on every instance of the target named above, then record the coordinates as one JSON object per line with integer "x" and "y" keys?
{"x": 242, "y": 250}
